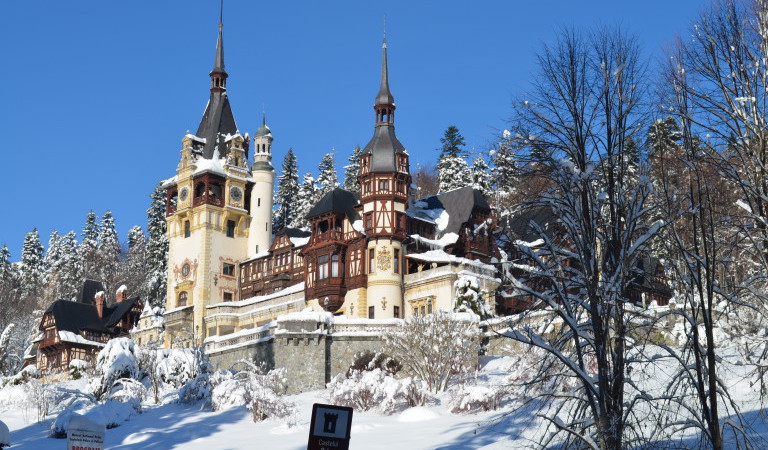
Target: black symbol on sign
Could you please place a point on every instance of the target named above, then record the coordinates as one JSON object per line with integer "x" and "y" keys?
{"x": 329, "y": 426}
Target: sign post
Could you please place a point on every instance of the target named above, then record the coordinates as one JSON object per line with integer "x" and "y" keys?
{"x": 84, "y": 434}
{"x": 330, "y": 428}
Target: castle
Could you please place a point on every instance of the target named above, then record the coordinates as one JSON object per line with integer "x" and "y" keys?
{"x": 381, "y": 254}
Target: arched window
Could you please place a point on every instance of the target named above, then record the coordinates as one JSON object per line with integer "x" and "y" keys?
{"x": 182, "y": 298}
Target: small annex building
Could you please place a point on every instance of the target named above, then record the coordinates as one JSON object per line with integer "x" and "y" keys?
{"x": 78, "y": 329}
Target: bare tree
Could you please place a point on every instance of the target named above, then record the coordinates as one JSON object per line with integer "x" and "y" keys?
{"x": 579, "y": 125}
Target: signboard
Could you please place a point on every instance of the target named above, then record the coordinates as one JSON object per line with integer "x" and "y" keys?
{"x": 330, "y": 428}
{"x": 84, "y": 434}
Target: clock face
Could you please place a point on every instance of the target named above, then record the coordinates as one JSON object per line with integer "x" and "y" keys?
{"x": 183, "y": 194}
{"x": 236, "y": 193}
{"x": 185, "y": 270}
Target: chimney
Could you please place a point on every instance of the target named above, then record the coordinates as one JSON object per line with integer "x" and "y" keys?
{"x": 100, "y": 304}
{"x": 121, "y": 294}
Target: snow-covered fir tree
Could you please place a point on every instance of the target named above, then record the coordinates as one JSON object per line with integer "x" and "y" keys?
{"x": 32, "y": 267}
{"x": 481, "y": 177}
{"x": 70, "y": 268}
{"x": 157, "y": 249}
{"x": 327, "y": 179}
{"x": 136, "y": 263}
{"x": 452, "y": 169}
{"x": 453, "y": 173}
{"x": 308, "y": 196}
{"x": 504, "y": 171}
{"x": 52, "y": 260}
{"x": 287, "y": 193}
{"x": 352, "y": 171}
{"x": 89, "y": 247}
{"x": 109, "y": 253}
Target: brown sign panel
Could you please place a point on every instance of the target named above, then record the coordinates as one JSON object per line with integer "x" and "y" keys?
{"x": 330, "y": 428}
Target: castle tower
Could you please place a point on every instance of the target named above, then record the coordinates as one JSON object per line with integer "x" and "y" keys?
{"x": 384, "y": 182}
{"x": 208, "y": 215}
{"x": 260, "y": 229}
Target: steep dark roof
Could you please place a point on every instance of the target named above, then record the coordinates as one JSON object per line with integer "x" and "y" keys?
{"x": 458, "y": 203}
{"x": 338, "y": 200}
{"x": 294, "y": 232}
{"x": 218, "y": 122}
{"x": 89, "y": 290}
{"x": 115, "y": 313}
{"x": 383, "y": 147}
{"x": 76, "y": 316}
{"x": 519, "y": 227}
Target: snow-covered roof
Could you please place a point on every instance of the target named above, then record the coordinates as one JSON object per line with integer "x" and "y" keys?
{"x": 439, "y": 256}
{"x": 68, "y": 336}
{"x": 260, "y": 298}
{"x": 437, "y": 244}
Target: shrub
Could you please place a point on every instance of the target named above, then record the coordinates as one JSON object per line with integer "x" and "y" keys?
{"x": 369, "y": 360}
{"x": 368, "y": 389}
{"x": 470, "y": 398}
{"x": 435, "y": 347}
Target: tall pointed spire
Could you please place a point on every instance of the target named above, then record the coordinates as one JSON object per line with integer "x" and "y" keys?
{"x": 218, "y": 121}
{"x": 218, "y": 74}
{"x": 384, "y": 97}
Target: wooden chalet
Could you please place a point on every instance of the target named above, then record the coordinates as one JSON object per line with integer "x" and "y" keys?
{"x": 277, "y": 268}
{"x": 78, "y": 329}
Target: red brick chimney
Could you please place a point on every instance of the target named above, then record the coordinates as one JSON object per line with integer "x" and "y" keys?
{"x": 100, "y": 304}
{"x": 121, "y": 294}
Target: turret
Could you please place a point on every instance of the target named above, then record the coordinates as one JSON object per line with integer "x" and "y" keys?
{"x": 263, "y": 174}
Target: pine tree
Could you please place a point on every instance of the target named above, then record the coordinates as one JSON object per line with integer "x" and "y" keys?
{"x": 308, "y": 196}
{"x": 89, "y": 247}
{"x": 287, "y": 193}
{"x": 157, "y": 250}
{"x": 453, "y": 173}
{"x": 452, "y": 142}
{"x": 352, "y": 171}
{"x": 70, "y": 268}
{"x": 109, "y": 253}
{"x": 327, "y": 179}
{"x": 136, "y": 270}
{"x": 452, "y": 169}
{"x": 481, "y": 177}
{"x": 32, "y": 268}
{"x": 504, "y": 171}
{"x": 7, "y": 275}
{"x": 52, "y": 262}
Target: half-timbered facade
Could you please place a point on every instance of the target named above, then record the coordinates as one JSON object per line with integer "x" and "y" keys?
{"x": 72, "y": 330}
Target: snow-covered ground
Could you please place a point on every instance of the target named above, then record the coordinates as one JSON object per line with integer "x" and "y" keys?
{"x": 175, "y": 425}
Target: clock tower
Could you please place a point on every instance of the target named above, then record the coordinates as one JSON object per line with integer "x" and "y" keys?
{"x": 215, "y": 213}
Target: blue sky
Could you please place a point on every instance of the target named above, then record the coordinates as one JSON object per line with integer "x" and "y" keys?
{"x": 99, "y": 94}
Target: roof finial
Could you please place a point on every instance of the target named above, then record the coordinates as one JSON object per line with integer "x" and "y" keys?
{"x": 218, "y": 74}
{"x": 385, "y": 32}
{"x": 221, "y": 14}
{"x": 263, "y": 115}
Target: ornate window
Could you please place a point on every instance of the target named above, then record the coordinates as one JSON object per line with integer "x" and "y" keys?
{"x": 228, "y": 269}
{"x": 322, "y": 267}
{"x": 335, "y": 266}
